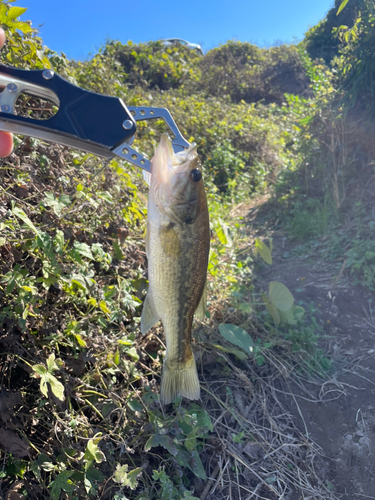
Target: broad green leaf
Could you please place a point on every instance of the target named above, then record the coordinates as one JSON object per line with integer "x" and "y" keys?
{"x": 263, "y": 251}
{"x": 342, "y": 6}
{"x": 280, "y": 296}
{"x": 274, "y": 312}
{"x": 14, "y": 12}
{"x": 237, "y": 336}
{"x": 288, "y": 316}
{"x": 20, "y": 25}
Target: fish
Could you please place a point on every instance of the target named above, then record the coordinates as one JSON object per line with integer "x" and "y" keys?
{"x": 177, "y": 249}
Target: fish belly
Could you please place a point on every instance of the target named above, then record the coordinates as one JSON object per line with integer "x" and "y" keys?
{"x": 178, "y": 256}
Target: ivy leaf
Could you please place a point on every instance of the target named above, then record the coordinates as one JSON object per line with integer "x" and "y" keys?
{"x": 93, "y": 452}
{"x": 125, "y": 478}
{"x": 62, "y": 482}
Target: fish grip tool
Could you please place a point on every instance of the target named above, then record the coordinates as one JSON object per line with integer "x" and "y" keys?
{"x": 95, "y": 123}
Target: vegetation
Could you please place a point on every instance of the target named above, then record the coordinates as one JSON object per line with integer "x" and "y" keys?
{"x": 79, "y": 409}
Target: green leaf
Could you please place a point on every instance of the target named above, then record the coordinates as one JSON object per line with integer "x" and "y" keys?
{"x": 104, "y": 307}
{"x": 232, "y": 350}
{"x": 15, "y": 12}
{"x": 135, "y": 405}
{"x": 92, "y": 475}
{"x": 56, "y": 387}
{"x": 83, "y": 249}
{"x": 306, "y": 120}
{"x": 237, "y": 336}
{"x": 222, "y": 232}
{"x": 132, "y": 352}
{"x": 21, "y": 215}
{"x": 93, "y": 452}
{"x": 164, "y": 441}
{"x": 263, "y": 251}
{"x": 274, "y": 312}
{"x": 192, "y": 461}
{"x": 62, "y": 482}
{"x": 39, "y": 369}
{"x": 104, "y": 195}
{"x": 51, "y": 365}
{"x": 129, "y": 479}
{"x": 299, "y": 312}
{"x": 280, "y": 296}
{"x": 342, "y": 6}
{"x": 20, "y": 25}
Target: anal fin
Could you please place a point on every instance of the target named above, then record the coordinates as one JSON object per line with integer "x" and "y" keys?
{"x": 149, "y": 314}
{"x": 201, "y": 309}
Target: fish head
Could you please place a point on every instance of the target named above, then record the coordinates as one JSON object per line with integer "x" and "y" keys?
{"x": 176, "y": 182}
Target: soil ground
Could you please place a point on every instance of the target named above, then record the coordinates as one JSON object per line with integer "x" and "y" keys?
{"x": 338, "y": 415}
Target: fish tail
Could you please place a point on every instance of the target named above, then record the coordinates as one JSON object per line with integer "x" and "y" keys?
{"x": 179, "y": 379}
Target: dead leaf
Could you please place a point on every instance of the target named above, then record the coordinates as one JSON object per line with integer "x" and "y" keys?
{"x": 14, "y": 491}
{"x": 12, "y": 443}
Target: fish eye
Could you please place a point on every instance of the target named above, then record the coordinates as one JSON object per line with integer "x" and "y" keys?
{"x": 196, "y": 175}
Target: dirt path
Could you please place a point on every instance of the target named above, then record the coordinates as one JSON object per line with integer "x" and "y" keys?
{"x": 340, "y": 414}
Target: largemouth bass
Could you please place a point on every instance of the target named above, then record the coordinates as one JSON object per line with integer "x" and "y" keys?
{"x": 177, "y": 247}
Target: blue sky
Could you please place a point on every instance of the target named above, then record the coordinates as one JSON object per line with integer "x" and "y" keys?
{"x": 80, "y": 27}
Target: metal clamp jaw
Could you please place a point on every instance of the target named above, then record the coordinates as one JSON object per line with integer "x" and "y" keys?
{"x": 95, "y": 123}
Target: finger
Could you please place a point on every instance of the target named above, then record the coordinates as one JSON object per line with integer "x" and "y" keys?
{"x": 2, "y": 37}
{"x": 6, "y": 144}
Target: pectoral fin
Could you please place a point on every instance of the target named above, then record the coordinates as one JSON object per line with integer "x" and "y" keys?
{"x": 201, "y": 309}
{"x": 149, "y": 314}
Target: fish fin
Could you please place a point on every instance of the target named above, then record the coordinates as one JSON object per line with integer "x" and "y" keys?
{"x": 146, "y": 177}
{"x": 179, "y": 381}
{"x": 201, "y": 309}
{"x": 149, "y": 314}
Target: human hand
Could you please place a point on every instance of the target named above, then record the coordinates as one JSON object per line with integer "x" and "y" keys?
{"x": 6, "y": 139}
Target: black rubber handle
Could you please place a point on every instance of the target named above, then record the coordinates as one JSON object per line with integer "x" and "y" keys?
{"x": 82, "y": 115}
